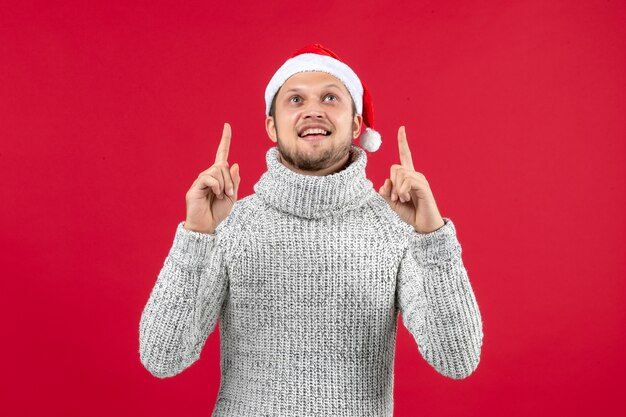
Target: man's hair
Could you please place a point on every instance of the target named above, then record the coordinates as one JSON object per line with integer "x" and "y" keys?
{"x": 273, "y": 105}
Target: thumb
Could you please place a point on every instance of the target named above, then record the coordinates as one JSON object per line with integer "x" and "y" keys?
{"x": 385, "y": 191}
{"x": 234, "y": 174}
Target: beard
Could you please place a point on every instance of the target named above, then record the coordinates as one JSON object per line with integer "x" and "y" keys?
{"x": 316, "y": 162}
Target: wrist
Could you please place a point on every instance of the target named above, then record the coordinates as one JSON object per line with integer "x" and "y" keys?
{"x": 430, "y": 226}
{"x": 193, "y": 228}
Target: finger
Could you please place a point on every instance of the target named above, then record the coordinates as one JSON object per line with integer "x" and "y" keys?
{"x": 216, "y": 173}
{"x": 393, "y": 176}
{"x": 222, "y": 149}
{"x": 400, "y": 176}
{"x": 404, "y": 189}
{"x": 234, "y": 173}
{"x": 385, "y": 190}
{"x": 207, "y": 181}
{"x": 222, "y": 180}
{"x": 403, "y": 147}
{"x": 228, "y": 181}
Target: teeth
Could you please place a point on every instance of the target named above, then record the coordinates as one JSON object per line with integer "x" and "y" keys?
{"x": 314, "y": 132}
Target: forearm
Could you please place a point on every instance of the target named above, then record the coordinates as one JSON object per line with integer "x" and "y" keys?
{"x": 444, "y": 315}
{"x": 171, "y": 333}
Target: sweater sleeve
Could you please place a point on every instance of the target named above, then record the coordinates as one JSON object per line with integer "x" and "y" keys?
{"x": 437, "y": 302}
{"x": 184, "y": 304}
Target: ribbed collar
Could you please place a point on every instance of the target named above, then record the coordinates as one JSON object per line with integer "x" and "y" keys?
{"x": 312, "y": 196}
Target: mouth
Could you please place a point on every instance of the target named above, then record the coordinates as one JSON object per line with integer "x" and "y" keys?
{"x": 314, "y": 134}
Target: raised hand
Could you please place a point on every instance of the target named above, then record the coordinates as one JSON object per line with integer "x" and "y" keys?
{"x": 213, "y": 194}
{"x": 408, "y": 193}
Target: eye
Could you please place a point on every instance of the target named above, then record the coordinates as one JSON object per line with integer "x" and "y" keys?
{"x": 295, "y": 99}
{"x": 332, "y": 96}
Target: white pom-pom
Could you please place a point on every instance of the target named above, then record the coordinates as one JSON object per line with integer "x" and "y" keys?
{"x": 370, "y": 140}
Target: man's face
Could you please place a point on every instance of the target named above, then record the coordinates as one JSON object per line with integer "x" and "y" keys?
{"x": 306, "y": 103}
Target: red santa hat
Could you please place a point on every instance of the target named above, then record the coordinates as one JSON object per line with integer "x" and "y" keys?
{"x": 316, "y": 57}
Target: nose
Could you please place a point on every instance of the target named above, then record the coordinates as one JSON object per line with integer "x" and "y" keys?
{"x": 313, "y": 110}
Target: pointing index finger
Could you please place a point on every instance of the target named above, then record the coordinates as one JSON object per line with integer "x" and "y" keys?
{"x": 222, "y": 149}
{"x": 403, "y": 147}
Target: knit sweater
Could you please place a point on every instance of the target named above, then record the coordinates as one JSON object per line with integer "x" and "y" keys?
{"x": 306, "y": 277}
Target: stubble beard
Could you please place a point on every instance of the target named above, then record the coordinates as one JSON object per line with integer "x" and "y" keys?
{"x": 318, "y": 162}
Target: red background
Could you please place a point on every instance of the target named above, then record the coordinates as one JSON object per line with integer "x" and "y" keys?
{"x": 514, "y": 112}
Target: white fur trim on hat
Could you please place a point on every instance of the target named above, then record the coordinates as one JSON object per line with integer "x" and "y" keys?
{"x": 316, "y": 62}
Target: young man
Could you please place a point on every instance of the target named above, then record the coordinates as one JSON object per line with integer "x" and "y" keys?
{"x": 308, "y": 274}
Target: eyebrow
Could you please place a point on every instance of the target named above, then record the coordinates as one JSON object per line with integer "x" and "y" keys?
{"x": 325, "y": 86}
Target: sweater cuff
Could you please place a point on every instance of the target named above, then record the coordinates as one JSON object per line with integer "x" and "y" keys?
{"x": 192, "y": 249}
{"x": 437, "y": 246}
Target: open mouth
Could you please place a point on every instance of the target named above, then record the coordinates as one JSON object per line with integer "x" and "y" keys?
{"x": 314, "y": 134}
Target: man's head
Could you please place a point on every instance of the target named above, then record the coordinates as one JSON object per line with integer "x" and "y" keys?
{"x": 314, "y": 122}
{"x": 314, "y": 89}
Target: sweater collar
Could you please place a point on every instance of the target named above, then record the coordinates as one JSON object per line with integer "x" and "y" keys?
{"x": 312, "y": 196}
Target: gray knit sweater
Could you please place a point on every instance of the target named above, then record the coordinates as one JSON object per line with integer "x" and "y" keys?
{"x": 306, "y": 277}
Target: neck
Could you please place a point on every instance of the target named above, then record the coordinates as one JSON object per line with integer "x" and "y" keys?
{"x": 314, "y": 196}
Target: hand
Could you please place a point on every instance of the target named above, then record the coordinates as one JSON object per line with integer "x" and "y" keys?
{"x": 212, "y": 196}
{"x": 409, "y": 194}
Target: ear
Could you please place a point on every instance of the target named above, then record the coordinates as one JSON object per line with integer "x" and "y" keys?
{"x": 356, "y": 125}
{"x": 270, "y": 127}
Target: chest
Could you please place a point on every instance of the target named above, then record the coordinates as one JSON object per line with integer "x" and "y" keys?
{"x": 313, "y": 264}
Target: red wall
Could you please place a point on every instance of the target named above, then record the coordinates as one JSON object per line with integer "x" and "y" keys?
{"x": 514, "y": 112}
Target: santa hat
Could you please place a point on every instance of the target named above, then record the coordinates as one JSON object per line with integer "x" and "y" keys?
{"x": 315, "y": 57}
